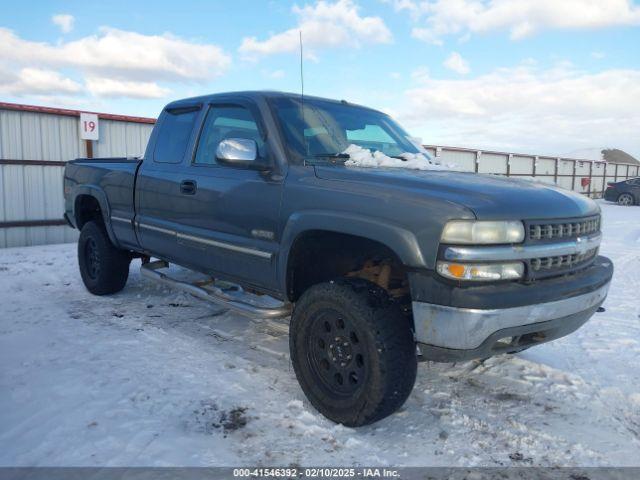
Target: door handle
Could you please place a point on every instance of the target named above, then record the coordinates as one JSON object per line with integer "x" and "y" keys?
{"x": 188, "y": 187}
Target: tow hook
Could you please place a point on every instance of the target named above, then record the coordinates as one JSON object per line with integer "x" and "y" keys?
{"x": 601, "y": 309}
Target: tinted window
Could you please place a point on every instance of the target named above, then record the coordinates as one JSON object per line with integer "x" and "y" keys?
{"x": 320, "y": 128}
{"x": 173, "y": 136}
{"x": 222, "y": 123}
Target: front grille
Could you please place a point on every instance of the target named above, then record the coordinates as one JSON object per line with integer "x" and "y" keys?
{"x": 562, "y": 229}
{"x": 561, "y": 262}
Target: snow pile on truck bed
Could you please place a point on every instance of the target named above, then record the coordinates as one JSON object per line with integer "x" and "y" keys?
{"x": 362, "y": 157}
{"x": 154, "y": 377}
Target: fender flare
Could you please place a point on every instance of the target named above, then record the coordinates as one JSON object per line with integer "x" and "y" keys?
{"x": 99, "y": 194}
{"x": 399, "y": 240}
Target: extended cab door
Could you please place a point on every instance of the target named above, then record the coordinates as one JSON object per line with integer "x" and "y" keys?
{"x": 225, "y": 217}
{"x": 160, "y": 208}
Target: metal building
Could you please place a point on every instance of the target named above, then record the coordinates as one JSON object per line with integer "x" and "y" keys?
{"x": 35, "y": 143}
{"x": 588, "y": 177}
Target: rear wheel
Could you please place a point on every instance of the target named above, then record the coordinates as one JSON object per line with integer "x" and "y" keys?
{"x": 625, "y": 199}
{"x": 103, "y": 267}
{"x": 353, "y": 351}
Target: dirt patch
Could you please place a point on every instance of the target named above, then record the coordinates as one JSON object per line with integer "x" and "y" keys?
{"x": 508, "y": 396}
{"x": 210, "y": 418}
{"x": 519, "y": 457}
{"x": 233, "y": 420}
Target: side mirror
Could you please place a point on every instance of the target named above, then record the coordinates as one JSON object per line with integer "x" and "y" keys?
{"x": 239, "y": 152}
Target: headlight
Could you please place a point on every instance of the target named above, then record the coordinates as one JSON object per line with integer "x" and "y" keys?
{"x": 481, "y": 272}
{"x": 470, "y": 232}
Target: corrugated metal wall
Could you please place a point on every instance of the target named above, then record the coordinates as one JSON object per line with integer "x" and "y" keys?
{"x": 584, "y": 176}
{"x": 34, "y": 192}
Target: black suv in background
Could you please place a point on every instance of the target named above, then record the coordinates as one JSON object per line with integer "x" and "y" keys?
{"x": 626, "y": 192}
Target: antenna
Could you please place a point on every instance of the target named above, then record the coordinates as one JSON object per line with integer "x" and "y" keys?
{"x": 304, "y": 139}
{"x": 301, "y": 71}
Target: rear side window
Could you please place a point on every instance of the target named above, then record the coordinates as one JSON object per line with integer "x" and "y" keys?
{"x": 174, "y": 135}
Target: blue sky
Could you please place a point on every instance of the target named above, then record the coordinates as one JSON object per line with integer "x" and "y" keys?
{"x": 538, "y": 76}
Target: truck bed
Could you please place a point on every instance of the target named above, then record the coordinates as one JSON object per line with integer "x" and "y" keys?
{"x": 116, "y": 178}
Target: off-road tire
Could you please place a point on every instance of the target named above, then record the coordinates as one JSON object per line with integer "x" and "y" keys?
{"x": 381, "y": 361}
{"x": 103, "y": 267}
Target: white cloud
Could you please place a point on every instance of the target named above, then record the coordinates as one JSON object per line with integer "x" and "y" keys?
{"x": 521, "y": 18}
{"x": 64, "y": 21}
{"x": 524, "y": 108}
{"x": 456, "y": 63}
{"x": 125, "y": 54}
{"x": 113, "y": 62}
{"x": 275, "y": 74}
{"x": 106, "y": 87}
{"x": 323, "y": 25}
{"x": 36, "y": 81}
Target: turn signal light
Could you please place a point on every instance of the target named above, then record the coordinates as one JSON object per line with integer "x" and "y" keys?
{"x": 481, "y": 272}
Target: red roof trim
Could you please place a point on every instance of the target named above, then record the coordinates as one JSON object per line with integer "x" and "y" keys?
{"x": 73, "y": 113}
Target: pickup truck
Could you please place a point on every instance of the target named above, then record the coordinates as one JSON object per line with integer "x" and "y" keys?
{"x": 377, "y": 266}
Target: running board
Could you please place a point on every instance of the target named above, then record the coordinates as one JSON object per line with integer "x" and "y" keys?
{"x": 213, "y": 294}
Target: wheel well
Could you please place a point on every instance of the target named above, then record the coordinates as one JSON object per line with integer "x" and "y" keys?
{"x": 86, "y": 209}
{"x": 318, "y": 256}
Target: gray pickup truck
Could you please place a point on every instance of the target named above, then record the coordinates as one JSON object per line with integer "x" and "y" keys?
{"x": 378, "y": 267}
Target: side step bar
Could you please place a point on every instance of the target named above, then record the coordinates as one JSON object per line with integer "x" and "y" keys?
{"x": 213, "y": 294}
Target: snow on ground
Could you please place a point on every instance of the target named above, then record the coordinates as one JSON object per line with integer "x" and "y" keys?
{"x": 150, "y": 376}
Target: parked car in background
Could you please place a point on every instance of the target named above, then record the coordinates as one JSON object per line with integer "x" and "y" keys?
{"x": 626, "y": 192}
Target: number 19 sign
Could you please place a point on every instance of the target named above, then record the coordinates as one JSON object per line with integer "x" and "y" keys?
{"x": 88, "y": 126}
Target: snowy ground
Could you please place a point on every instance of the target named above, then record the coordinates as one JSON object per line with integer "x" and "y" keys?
{"x": 154, "y": 377}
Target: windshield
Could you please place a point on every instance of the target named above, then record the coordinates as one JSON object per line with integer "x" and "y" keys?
{"x": 325, "y": 129}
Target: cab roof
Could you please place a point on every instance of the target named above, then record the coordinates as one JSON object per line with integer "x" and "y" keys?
{"x": 253, "y": 95}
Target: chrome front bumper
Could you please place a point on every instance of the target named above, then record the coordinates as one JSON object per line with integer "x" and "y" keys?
{"x": 467, "y": 328}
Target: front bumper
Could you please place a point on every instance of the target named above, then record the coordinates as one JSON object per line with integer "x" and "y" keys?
{"x": 450, "y": 333}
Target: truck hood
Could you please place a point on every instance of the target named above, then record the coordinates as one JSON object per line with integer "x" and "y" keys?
{"x": 490, "y": 197}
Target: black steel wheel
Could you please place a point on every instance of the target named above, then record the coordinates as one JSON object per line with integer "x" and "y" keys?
{"x": 92, "y": 258}
{"x": 353, "y": 351}
{"x": 336, "y": 353}
{"x": 103, "y": 267}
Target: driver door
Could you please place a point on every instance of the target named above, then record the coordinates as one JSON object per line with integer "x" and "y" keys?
{"x": 232, "y": 223}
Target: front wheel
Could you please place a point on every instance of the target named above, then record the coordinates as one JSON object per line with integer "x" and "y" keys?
{"x": 103, "y": 267}
{"x": 625, "y": 199}
{"x": 353, "y": 351}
